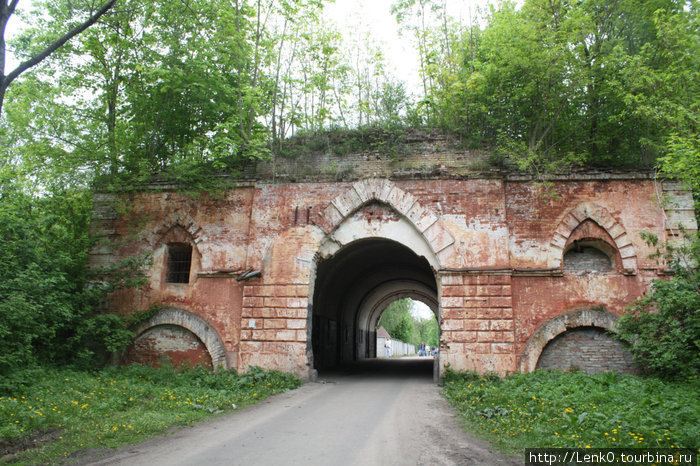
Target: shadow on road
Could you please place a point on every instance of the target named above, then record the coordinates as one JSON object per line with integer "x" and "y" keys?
{"x": 397, "y": 368}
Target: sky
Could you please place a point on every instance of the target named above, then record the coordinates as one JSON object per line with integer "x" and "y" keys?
{"x": 420, "y": 310}
{"x": 374, "y": 16}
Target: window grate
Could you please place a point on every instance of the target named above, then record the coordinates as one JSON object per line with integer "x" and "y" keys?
{"x": 179, "y": 263}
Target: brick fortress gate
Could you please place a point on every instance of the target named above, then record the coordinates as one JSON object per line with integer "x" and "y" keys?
{"x": 294, "y": 276}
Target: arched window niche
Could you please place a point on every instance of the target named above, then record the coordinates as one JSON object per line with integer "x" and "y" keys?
{"x": 590, "y": 249}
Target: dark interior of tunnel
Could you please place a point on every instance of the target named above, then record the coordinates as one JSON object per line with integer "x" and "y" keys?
{"x": 350, "y": 290}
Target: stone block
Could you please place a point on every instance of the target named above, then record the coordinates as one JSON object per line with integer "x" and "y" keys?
{"x": 500, "y": 301}
{"x": 490, "y": 313}
{"x": 297, "y": 303}
{"x": 451, "y": 279}
{"x": 250, "y": 347}
{"x": 274, "y": 323}
{"x": 488, "y": 337}
{"x": 463, "y": 337}
{"x": 453, "y": 313}
{"x": 426, "y": 220}
{"x": 253, "y": 301}
{"x": 627, "y": 251}
{"x": 472, "y": 302}
{"x": 477, "y": 348}
{"x": 476, "y": 324}
{"x": 253, "y": 312}
{"x": 499, "y": 279}
{"x": 616, "y": 231}
{"x": 438, "y": 237}
{"x": 384, "y": 189}
{"x": 452, "y": 301}
{"x": 347, "y": 203}
{"x": 471, "y": 280}
{"x": 297, "y": 313}
{"x": 502, "y": 348}
{"x": 363, "y": 190}
{"x": 285, "y": 335}
{"x": 452, "y": 324}
{"x": 275, "y": 302}
{"x": 252, "y": 290}
{"x": 329, "y": 218}
{"x": 501, "y": 324}
{"x": 558, "y": 241}
{"x": 450, "y": 291}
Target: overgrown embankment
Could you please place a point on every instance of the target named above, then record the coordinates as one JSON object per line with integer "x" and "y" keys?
{"x": 555, "y": 409}
{"x": 47, "y": 414}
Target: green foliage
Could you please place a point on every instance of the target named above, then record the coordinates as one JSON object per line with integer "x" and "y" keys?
{"x": 546, "y": 409}
{"x": 662, "y": 329}
{"x": 47, "y": 314}
{"x": 397, "y": 320}
{"x": 119, "y": 406}
{"x": 383, "y": 138}
{"x": 560, "y": 84}
{"x": 402, "y": 325}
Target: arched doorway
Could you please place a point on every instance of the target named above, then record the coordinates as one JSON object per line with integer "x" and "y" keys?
{"x": 352, "y": 289}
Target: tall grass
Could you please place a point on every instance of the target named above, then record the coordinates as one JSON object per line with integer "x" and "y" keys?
{"x": 555, "y": 409}
{"x": 53, "y": 412}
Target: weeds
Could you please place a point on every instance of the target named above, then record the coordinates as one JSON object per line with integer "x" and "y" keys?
{"x": 555, "y": 409}
{"x": 54, "y": 412}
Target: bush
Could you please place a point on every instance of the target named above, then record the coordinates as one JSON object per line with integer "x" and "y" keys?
{"x": 47, "y": 313}
{"x": 663, "y": 328}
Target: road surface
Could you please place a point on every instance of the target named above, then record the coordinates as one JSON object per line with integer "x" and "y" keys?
{"x": 378, "y": 412}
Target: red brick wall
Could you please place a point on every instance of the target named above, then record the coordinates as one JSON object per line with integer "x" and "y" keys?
{"x": 588, "y": 349}
{"x": 498, "y": 266}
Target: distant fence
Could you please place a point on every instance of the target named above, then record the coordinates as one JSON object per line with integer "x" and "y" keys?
{"x": 398, "y": 348}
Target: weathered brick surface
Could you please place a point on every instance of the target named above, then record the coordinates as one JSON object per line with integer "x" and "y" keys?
{"x": 587, "y": 349}
{"x": 495, "y": 247}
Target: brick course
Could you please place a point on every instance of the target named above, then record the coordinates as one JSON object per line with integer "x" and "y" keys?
{"x": 494, "y": 246}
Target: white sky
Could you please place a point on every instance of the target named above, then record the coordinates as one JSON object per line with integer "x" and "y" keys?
{"x": 374, "y": 16}
{"x": 420, "y": 310}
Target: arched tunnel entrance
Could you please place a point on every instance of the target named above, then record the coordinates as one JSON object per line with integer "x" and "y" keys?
{"x": 352, "y": 289}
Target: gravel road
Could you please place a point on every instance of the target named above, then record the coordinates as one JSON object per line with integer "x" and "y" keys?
{"x": 376, "y": 412}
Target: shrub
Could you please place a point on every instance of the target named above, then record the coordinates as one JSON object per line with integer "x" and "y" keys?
{"x": 663, "y": 328}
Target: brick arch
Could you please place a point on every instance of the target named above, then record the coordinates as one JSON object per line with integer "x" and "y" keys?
{"x": 195, "y": 324}
{"x": 581, "y": 318}
{"x": 605, "y": 220}
{"x": 177, "y": 219}
{"x": 383, "y": 191}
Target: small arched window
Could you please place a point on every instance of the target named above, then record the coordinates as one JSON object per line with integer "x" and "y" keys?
{"x": 179, "y": 263}
{"x": 588, "y": 256}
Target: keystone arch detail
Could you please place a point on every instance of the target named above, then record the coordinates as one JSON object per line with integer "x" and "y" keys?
{"x": 363, "y": 192}
{"x": 602, "y": 217}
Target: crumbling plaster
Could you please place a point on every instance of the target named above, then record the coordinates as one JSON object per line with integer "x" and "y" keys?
{"x": 494, "y": 247}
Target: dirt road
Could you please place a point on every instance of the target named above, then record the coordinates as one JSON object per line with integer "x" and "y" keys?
{"x": 375, "y": 413}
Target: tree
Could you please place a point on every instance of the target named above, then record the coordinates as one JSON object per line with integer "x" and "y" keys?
{"x": 47, "y": 313}
{"x": 397, "y": 321}
{"x": 6, "y": 11}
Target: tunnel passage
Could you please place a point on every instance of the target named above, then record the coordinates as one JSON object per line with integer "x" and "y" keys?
{"x": 353, "y": 288}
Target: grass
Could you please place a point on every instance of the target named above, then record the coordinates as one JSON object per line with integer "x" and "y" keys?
{"x": 47, "y": 414}
{"x": 547, "y": 409}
